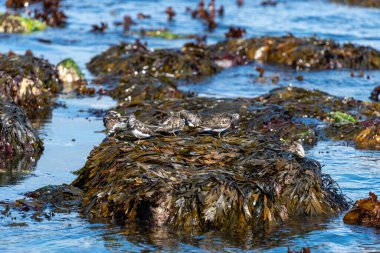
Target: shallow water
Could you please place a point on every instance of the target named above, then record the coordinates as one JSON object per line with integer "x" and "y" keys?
{"x": 356, "y": 171}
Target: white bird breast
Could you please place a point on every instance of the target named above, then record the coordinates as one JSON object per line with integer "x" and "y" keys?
{"x": 139, "y": 134}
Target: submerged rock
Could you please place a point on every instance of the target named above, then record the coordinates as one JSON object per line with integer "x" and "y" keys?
{"x": 16, "y": 132}
{"x": 201, "y": 182}
{"x": 28, "y": 81}
{"x": 16, "y": 24}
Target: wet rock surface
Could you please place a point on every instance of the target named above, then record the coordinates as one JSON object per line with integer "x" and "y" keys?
{"x": 200, "y": 182}
{"x": 43, "y": 204}
{"x": 28, "y": 81}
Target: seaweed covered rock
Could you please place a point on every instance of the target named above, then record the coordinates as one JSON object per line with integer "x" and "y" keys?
{"x": 365, "y": 212}
{"x": 364, "y": 3}
{"x": 343, "y": 118}
{"x": 365, "y": 134}
{"x": 16, "y": 132}
{"x": 254, "y": 116}
{"x": 298, "y": 53}
{"x": 320, "y": 105}
{"x": 28, "y": 81}
{"x": 200, "y": 182}
{"x": 69, "y": 72}
{"x": 131, "y": 60}
{"x": 16, "y": 24}
{"x": 138, "y": 89}
{"x": 195, "y": 60}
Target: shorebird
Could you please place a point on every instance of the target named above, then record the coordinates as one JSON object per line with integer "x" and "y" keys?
{"x": 219, "y": 122}
{"x": 113, "y": 121}
{"x": 138, "y": 128}
{"x": 191, "y": 119}
{"x": 173, "y": 124}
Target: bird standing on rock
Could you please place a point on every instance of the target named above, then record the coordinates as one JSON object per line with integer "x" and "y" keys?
{"x": 113, "y": 120}
{"x": 219, "y": 122}
{"x": 138, "y": 129}
{"x": 173, "y": 124}
{"x": 191, "y": 119}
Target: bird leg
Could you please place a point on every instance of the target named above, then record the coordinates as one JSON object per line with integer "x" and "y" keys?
{"x": 219, "y": 135}
{"x": 174, "y": 134}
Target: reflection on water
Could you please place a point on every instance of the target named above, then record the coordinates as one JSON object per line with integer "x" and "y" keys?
{"x": 15, "y": 169}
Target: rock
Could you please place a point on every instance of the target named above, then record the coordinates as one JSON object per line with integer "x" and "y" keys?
{"x": 69, "y": 72}
{"x": 365, "y": 134}
{"x": 196, "y": 61}
{"x": 16, "y": 132}
{"x": 375, "y": 93}
{"x": 200, "y": 182}
{"x": 299, "y": 53}
{"x": 16, "y": 24}
{"x": 29, "y": 82}
{"x": 307, "y": 103}
{"x": 136, "y": 60}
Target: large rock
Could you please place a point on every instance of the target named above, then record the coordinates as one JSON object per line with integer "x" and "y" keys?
{"x": 16, "y": 132}
{"x": 28, "y": 81}
{"x": 131, "y": 60}
{"x": 195, "y": 61}
{"x": 197, "y": 181}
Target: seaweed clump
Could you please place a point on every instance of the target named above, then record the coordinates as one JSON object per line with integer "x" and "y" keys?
{"x": 200, "y": 182}
{"x": 28, "y": 81}
{"x": 365, "y": 212}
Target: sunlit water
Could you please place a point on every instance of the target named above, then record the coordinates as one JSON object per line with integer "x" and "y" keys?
{"x": 71, "y": 133}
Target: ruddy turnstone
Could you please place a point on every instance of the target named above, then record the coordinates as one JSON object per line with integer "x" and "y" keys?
{"x": 113, "y": 121}
{"x": 173, "y": 124}
{"x": 138, "y": 128}
{"x": 219, "y": 122}
{"x": 191, "y": 119}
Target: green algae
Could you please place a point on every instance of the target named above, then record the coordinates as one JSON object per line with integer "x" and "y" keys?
{"x": 69, "y": 71}
{"x": 18, "y": 24}
{"x": 341, "y": 117}
{"x": 163, "y": 34}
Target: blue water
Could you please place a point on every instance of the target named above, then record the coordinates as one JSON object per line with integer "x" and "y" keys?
{"x": 356, "y": 171}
